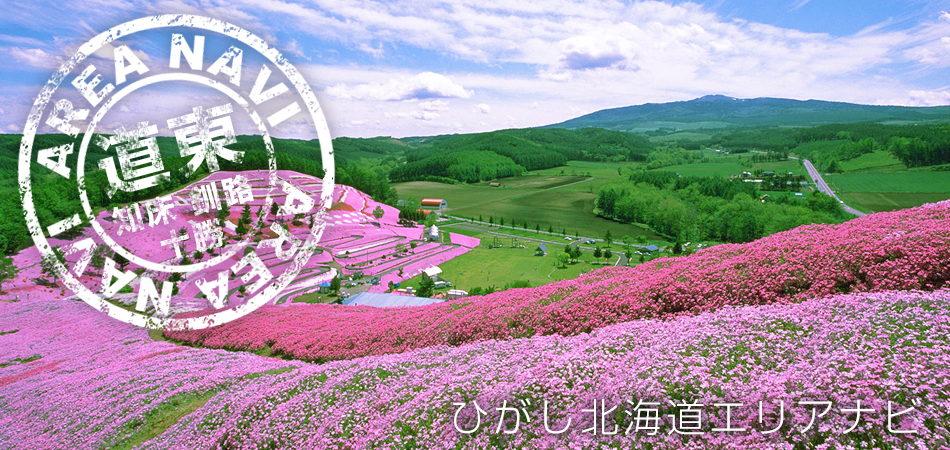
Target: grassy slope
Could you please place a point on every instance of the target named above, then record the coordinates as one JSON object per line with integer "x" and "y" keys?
{"x": 543, "y": 197}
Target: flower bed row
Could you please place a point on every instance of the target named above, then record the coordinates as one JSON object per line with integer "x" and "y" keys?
{"x": 908, "y": 249}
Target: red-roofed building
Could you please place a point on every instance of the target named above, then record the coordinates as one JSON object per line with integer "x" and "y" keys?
{"x": 434, "y": 203}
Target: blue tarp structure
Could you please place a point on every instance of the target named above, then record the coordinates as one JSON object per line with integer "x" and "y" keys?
{"x": 388, "y": 300}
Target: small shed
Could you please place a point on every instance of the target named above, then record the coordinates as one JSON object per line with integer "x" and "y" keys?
{"x": 651, "y": 248}
{"x": 324, "y": 287}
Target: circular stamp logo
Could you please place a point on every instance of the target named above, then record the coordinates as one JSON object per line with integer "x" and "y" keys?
{"x": 182, "y": 217}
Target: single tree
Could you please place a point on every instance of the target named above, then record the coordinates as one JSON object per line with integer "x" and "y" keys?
{"x": 608, "y": 238}
{"x": 491, "y": 220}
{"x": 98, "y": 259}
{"x": 501, "y": 222}
{"x": 274, "y": 208}
{"x": 223, "y": 212}
{"x": 550, "y": 229}
{"x": 562, "y": 259}
{"x": 597, "y": 252}
{"x": 335, "y": 284}
{"x": 431, "y": 219}
{"x": 537, "y": 228}
{"x": 576, "y": 253}
{"x": 426, "y": 286}
{"x": 677, "y": 248}
{"x": 378, "y": 213}
{"x": 48, "y": 264}
{"x": 608, "y": 254}
{"x": 246, "y": 214}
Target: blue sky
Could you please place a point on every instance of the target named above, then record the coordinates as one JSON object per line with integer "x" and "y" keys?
{"x": 430, "y": 67}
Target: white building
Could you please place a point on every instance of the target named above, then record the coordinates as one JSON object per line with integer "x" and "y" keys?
{"x": 433, "y": 272}
{"x": 456, "y": 293}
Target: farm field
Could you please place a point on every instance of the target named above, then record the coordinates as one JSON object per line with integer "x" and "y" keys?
{"x": 879, "y": 161}
{"x": 887, "y": 191}
{"x": 545, "y": 198}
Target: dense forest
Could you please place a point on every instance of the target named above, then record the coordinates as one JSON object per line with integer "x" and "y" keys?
{"x": 708, "y": 208}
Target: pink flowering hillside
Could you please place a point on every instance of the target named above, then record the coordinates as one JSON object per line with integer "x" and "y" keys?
{"x": 908, "y": 249}
{"x": 73, "y": 378}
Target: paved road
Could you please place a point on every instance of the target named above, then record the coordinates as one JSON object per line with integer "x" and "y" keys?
{"x": 823, "y": 187}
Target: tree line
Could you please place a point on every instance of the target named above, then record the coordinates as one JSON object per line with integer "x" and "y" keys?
{"x": 708, "y": 208}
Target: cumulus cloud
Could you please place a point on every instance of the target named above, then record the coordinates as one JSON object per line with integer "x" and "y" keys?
{"x": 598, "y": 51}
{"x": 426, "y": 85}
{"x": 34, "y": 57}
{"x": 483, "y": 108}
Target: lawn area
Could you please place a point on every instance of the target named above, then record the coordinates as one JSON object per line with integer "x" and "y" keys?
{"x": 485, "y": 267}
{"x": 887, "y": 191}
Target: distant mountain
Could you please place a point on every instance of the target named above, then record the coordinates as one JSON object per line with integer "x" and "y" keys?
{"x": 719, "y": 111}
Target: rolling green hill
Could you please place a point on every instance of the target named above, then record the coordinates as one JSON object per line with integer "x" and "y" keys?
{"x": 717, "y": 111}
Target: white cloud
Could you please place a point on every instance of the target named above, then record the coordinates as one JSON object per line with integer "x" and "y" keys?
{"x": 294, "y": 48}
{"x": 434, "y": 105}
{"x": 376, "y": 52}
{"x": 426, "y": 85}
{"x": 483, "y": 108}
{"x": 34, "y": 57}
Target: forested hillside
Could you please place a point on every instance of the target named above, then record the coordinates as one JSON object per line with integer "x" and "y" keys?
{"x": 486, "y": 156}
{"x": 709, "y": 208}
{"x": 718, "y": 111}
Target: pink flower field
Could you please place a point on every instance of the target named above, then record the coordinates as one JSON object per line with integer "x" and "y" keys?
{"x": 908, "y": 249}
{"x": 73, "y": 378}
{"x": 817, "y": 338}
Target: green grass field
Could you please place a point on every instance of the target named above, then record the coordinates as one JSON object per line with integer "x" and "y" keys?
{"x": 484, "y": 267}
{"x": 561, "y": 197}
{"x": 879, "y": 161}
{"x": 914, "y": 181}
{"x": 887, "y": 191}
